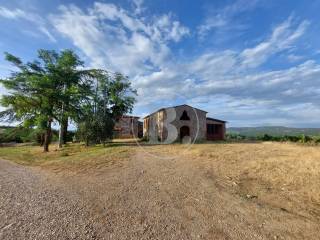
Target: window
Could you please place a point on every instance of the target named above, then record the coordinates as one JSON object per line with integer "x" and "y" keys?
{"x": 184, "y": 116}
{"x": 210, "y": 128}
{"x": 213, "y": 128}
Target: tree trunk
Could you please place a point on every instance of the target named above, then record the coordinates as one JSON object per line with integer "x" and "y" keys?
{"x": 41, "y": 138}
{"x": 65, "y": 130}
{"x": 61, "y": 130}
{"x": 61, "y": 135}
{"x": 47, "y": 137}
{"x": 63, "y": 124}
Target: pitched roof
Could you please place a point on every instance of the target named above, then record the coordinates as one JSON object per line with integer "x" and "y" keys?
{"x": 174, "y": 107}
{"x": 128, "y": 116}
{"x": 217, "y": 120}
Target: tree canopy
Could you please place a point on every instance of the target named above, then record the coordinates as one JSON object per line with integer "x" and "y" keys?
{"x": 57, "y": 88}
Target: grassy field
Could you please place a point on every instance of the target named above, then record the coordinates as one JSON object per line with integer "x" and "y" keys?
{"x": 72, "y": 156}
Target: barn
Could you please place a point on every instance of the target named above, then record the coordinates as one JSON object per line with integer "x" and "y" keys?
{"x": 182, "y": 123}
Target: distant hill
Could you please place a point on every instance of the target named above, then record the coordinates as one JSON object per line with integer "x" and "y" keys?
{"x": 273, "y": 131}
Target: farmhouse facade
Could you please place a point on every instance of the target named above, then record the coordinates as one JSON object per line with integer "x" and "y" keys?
{"x": 182, "y": 123}
{"x": 128, "y": 127}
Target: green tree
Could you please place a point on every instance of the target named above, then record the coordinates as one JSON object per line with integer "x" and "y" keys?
{"x": 112, "y": 97}
{"x": 46, "y": 90}
{"x": 56, "y": 87}
{"x": 75, "y": 85}
{"x": 33, "y": 97}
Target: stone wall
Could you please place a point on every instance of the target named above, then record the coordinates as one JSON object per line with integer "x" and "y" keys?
{"x": 166, "y": 124}
{"x": 127, "y": 127}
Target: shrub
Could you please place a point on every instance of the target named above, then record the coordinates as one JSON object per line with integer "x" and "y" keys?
{"x": 22, "y": 135}
{"x": 266, "y": 137}
{"x": 305, "y": 139}
{"x": 291, "y": 138}
{"x": 235, "y": 136}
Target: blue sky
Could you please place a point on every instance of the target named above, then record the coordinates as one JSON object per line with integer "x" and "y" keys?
{"x": 251, "y": 63}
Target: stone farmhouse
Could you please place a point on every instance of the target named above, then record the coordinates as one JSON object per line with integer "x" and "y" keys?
{"x": 128, "y": 127}
{"x": 182, "y": 123}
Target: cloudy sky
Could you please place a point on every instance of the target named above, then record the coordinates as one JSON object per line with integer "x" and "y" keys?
{"x": 250, "y": 62}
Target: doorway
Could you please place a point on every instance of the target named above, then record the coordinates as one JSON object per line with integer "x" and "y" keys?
{"x": 184, "y": 132}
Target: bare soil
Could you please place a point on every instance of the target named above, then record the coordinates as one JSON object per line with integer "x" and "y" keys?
{"x": 210, "y": 191}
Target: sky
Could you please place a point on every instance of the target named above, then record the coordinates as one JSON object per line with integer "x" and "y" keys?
{"x": 249, "y": 62}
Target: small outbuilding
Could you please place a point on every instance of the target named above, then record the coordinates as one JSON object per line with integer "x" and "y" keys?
{"x": 128, "y": 127}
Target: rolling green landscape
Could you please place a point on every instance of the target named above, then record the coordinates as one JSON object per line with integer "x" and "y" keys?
{"x": 273, "y": 131}
{"x": 25, "y": 135}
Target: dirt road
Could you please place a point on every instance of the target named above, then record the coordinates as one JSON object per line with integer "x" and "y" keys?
{"x": 143, "y": 198}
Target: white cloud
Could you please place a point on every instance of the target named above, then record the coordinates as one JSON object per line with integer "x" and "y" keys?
{"x": 12, "y": 14}
{"x": 227, "y": 83}
{"x": 294, "y": 58}
{"x": 17, "y": 14}
{"x": 138, "y": 6}
{"x": 167, "y": 29}
{"x": 282, "y": 38}
{"x": 115, "y": 39}
{"x": 212, "y": 23}
{"x": 218, "y": 19}
{"x": 5, "y": 68}
{"x": 46, "y": 32}
{"x": 218, "y": 64}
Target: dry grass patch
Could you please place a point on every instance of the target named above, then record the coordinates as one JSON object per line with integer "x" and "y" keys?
{"x": 280, "y": 175}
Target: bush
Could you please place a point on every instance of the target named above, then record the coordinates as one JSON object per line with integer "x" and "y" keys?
{"x": 305, "y": 139}
{"x": 22, "y": 135}
{"x": 15, "y": 134}
{"x": 266, "y": 137}
{"x": 235, "y": 136}
{"x": 291, "y": 139}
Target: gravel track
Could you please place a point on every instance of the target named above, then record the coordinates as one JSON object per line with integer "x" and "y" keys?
{"x": 144, "y": 198}
{"x": 32, "y": 207}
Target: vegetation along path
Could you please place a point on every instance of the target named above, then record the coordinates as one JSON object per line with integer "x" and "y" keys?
{"x": 150, "y": 196}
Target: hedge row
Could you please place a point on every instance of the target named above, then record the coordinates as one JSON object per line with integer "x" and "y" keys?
{"x": 266, "y": 137}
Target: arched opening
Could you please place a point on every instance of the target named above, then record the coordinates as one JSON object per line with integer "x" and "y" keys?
{"x": 184, "y": 132}
{"x": 184, "y": 116}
